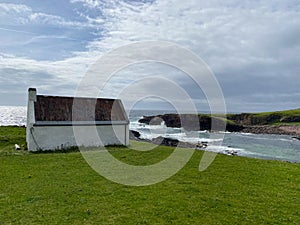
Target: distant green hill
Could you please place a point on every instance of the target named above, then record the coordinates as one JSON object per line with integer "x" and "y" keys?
{"x": 266, "y": 118}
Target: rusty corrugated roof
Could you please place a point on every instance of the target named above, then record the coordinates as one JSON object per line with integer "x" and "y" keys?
{"x": 54, "y": 108}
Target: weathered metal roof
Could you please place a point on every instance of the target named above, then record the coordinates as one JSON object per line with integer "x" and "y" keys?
{"x": 54, "y": 108}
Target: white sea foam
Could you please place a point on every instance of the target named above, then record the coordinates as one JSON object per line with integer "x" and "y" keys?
{"x": 266, "y": 137}
{"x": 197, "y": 140}
{"x": 248, "y": 134}
{"x": 179, "y": 136}
{"x": 202, "y": 131}
{"x": 224, "y": 132}
{"x": 223, "y": 149}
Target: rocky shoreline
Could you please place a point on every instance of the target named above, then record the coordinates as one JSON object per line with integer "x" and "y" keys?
{"x": 135, "y": 135}
{"x": 243, "y": 123}
{"x": 292, "y": 130}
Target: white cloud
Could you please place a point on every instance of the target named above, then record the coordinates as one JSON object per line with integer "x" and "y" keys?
{"x": 22, "y": 14}
{"x": 254, "y": 40}
{"x": 221, "y": 33}
{"x": 13, "y": 8}
{"x": 13, "y": 13}
{"x": 66, "y": 72}
{"x": 244, "y": 42}
{"x": 88, "y": 3}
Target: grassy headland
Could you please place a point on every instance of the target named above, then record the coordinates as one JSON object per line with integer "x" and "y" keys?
{"x": 60, "y": 188}
{"x": 289, "y": 117}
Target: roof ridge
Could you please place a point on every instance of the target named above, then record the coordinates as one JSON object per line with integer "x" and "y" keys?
{"x": 74, "y": 97}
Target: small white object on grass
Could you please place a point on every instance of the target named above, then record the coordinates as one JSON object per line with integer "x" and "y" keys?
{"x": 17, "y": 147}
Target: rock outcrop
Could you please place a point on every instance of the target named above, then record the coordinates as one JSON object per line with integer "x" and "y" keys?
{"x": 245, "y": 122}
{"x": 192, "y": 122}
{"x": 135, "y": 135}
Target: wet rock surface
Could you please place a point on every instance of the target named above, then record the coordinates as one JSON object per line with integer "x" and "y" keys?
{"x": 272, "y": 129}
{"x": 135, "y": 135}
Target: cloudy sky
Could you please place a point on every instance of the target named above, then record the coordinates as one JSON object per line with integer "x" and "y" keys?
{"x": 252, "y": 47}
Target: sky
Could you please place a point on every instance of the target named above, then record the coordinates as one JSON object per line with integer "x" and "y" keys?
{"x": 251, "y": 46}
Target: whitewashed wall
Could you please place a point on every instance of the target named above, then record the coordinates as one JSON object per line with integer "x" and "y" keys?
{"x": 61, "y": 137}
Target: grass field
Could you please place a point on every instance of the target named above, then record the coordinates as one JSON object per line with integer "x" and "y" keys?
{"x": 61, "y": 188}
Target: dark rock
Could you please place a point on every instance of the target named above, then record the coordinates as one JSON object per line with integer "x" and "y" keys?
{"x": 176, "y": 143}
{"x": 134, "y": 134}
{"x": 231, "y": 152}
{"x": 192, "y": 122}
{"x": 165, "y": 141}
{"x": 171, "y": 120}
{"x": 298, "y": 138}
{"x": 290, "y": 119}
{"x": 156, "y": 121}
{"x": 170, "y": 142}
{"x": 234, "y": 128}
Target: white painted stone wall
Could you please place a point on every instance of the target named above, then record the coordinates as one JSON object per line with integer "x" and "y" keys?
{"x": 30, "y": 112}
{"x": 61, "y": 137}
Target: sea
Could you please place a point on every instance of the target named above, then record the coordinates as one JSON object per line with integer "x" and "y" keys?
{"x": 264, "y": 146}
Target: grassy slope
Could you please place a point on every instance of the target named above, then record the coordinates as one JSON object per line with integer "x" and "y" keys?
{"x": 293, "y": 112}
{"x": 61, "y": 188}
{"x": 9, "y": 136}
{"x": 271, "y": 118}
{"x": 282, "y": 114}
{"x": 263, "y": 118}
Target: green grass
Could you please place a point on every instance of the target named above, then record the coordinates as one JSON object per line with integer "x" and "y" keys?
{"x": 61, "y": 188}
{"x": 287, "y": 124}
{"x": 9, "y": 136}
{"x": 287, "y": 117}
{"x": 293, "y": 112}
{"x": 279, "y": 118}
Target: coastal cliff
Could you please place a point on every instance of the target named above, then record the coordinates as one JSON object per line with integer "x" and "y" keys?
{"x": 281, "y": 122}
{"x": 192, "y": 122}
{"x": 271, "y": 118}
